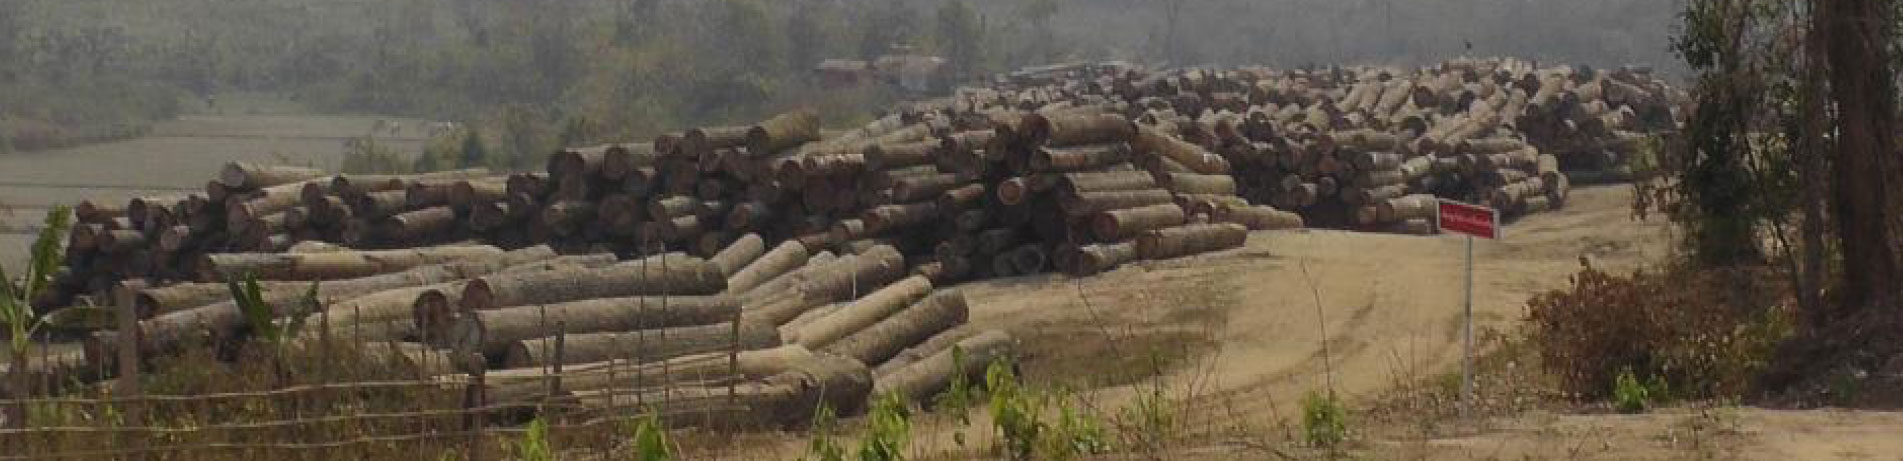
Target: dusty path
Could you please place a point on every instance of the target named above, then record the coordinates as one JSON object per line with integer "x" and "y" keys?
{"x": 179, "y": 156}
{"x": 1238, "y": 331}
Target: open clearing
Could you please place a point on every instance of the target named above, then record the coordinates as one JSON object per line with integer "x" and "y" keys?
{"x": 1237, "y": 333}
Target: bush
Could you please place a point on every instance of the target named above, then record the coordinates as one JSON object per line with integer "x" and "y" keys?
{"x": 1324, "y": 419}
{"x": 1706, "y": 333}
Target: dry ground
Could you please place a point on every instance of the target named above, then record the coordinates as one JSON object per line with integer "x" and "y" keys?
{"x": 1239, "y": 335}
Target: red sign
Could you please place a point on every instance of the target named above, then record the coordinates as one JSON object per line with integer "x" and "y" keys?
{"x": 1474, "y": 220}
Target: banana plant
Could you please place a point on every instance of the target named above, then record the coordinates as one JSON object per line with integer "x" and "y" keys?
{"x": 263, "y": 316}
{"x": 16, "y": 298}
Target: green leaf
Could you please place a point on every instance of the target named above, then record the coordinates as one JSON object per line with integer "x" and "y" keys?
{"x": 250, "y": 299}
{"x": 47, "y": 253}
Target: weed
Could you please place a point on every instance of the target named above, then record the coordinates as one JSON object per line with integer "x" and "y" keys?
{"x": 1628, "y": 396}
{"x": 534, "y": 444}
{"x": 16, "y": 301}
{"x": 1149, "y": 418}
{"x": 1324, "y": 420}
{"x": 1013, "y": 413}
{"x": 1018, "y": 415}
{"x": 890, "y": 432}
{"x": 650, "y": 440}
{"x": 823, "y": 448}
{"x": 958, "y": 396}
{"x": 262, "y": 316}
{"x": 1076, "y": 432}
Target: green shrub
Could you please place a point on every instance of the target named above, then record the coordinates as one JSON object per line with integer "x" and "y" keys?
{"x": 1018, "y": 415}
{"x": 1702, "y": 333}
{"x": 650, "y": 440}
{"x": 1324, "y": 419}
{"x": 822, "y": 447}
{"x": 1631, "y": 396}
{"x": 534, "y": 444}
{"x": 890, "y": 431}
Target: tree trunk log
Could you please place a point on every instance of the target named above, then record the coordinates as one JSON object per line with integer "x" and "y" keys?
{"x": 877, "y": 342}
{"x": 923, "y": 379}
{"x": 643, "y": 346}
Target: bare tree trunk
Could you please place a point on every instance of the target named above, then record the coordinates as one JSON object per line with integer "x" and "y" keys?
{"x": 1810, "y": 276}
{"x": 1862, "y": 85}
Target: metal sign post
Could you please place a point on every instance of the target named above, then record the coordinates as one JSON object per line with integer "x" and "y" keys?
{"x": 1473, "y": 221}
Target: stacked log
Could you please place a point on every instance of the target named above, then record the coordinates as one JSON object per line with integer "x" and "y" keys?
{"x": 838, "y": 252}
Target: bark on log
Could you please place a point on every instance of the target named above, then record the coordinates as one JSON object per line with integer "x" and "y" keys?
{"x": 224, "y": 319}
{"x": 497, "y": 329}
{"x": 1088, "y": 203}
{"x": 643, "y": 346}
{"x": 332, "y": 266}
{"x": 418, "y": 226}
{"x": 1116, "y": 225}
{"x": 1077, "y": 129}
{"x": 1259, "y": 217}
{"x": 1188, "y": 183}
{"x": 781, "y": 401}
{"x": 880, "y": 157}
{"x": 840, "y": 279}
{"x": 739, "y": 254}
{"x": 863, "y": 312}
{"x": 786, "y": 257}
{"x": 783, "y": 131}
{"x": 1094, "y": 259}
{"x": 1078, "y": 158}
{"x": 1190, "y": 239}
{"x": 923, "y": 379}
{"x": 884, "y": 339}
{"x": 247, "y": 175}
{"x": 657, "y": 276}
{"x": 1416, "y": 206}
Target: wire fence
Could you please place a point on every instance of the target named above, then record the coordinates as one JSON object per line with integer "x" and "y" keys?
{"x": 332, "y": 398}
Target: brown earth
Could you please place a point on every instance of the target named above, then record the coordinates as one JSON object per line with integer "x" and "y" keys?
{"x": 1240, "y": 335}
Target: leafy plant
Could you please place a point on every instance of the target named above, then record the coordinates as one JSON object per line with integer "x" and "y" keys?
{"x": 1699, "y": 332}
{"x": 16, "y": 300}
{"x": 650, "y": 440}
{"x": 1076, "y": 433}
{"x": 1628, "y": 396}
{"x": 890, "y": 430}
{"x": 1324, "y": 419}
{"x": 262, "y": 316}
{"x": 958, "y": 396}
{"x": 1014, "y": 414}
{"x": 1149, "y": 416}
{"x": 534, "y": 445}
{"x": 823, "y": 448}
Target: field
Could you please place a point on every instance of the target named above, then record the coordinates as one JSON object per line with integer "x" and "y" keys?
{"x": 177, "y": 156}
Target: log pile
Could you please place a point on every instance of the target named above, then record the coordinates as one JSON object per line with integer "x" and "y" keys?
{"x": 804, "y": 266}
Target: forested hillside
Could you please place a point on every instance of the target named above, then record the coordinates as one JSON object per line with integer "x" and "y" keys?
{"x": 531, "y": 74}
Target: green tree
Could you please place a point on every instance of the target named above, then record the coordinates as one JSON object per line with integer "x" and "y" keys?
{"x": 806, "y": 40}
{"x": 747, "y": 40}
{"x": 473, "y": 154}
{"x": 961, "y": 39}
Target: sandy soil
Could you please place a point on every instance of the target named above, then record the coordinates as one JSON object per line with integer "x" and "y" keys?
{"x": 1240, "y": 337}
